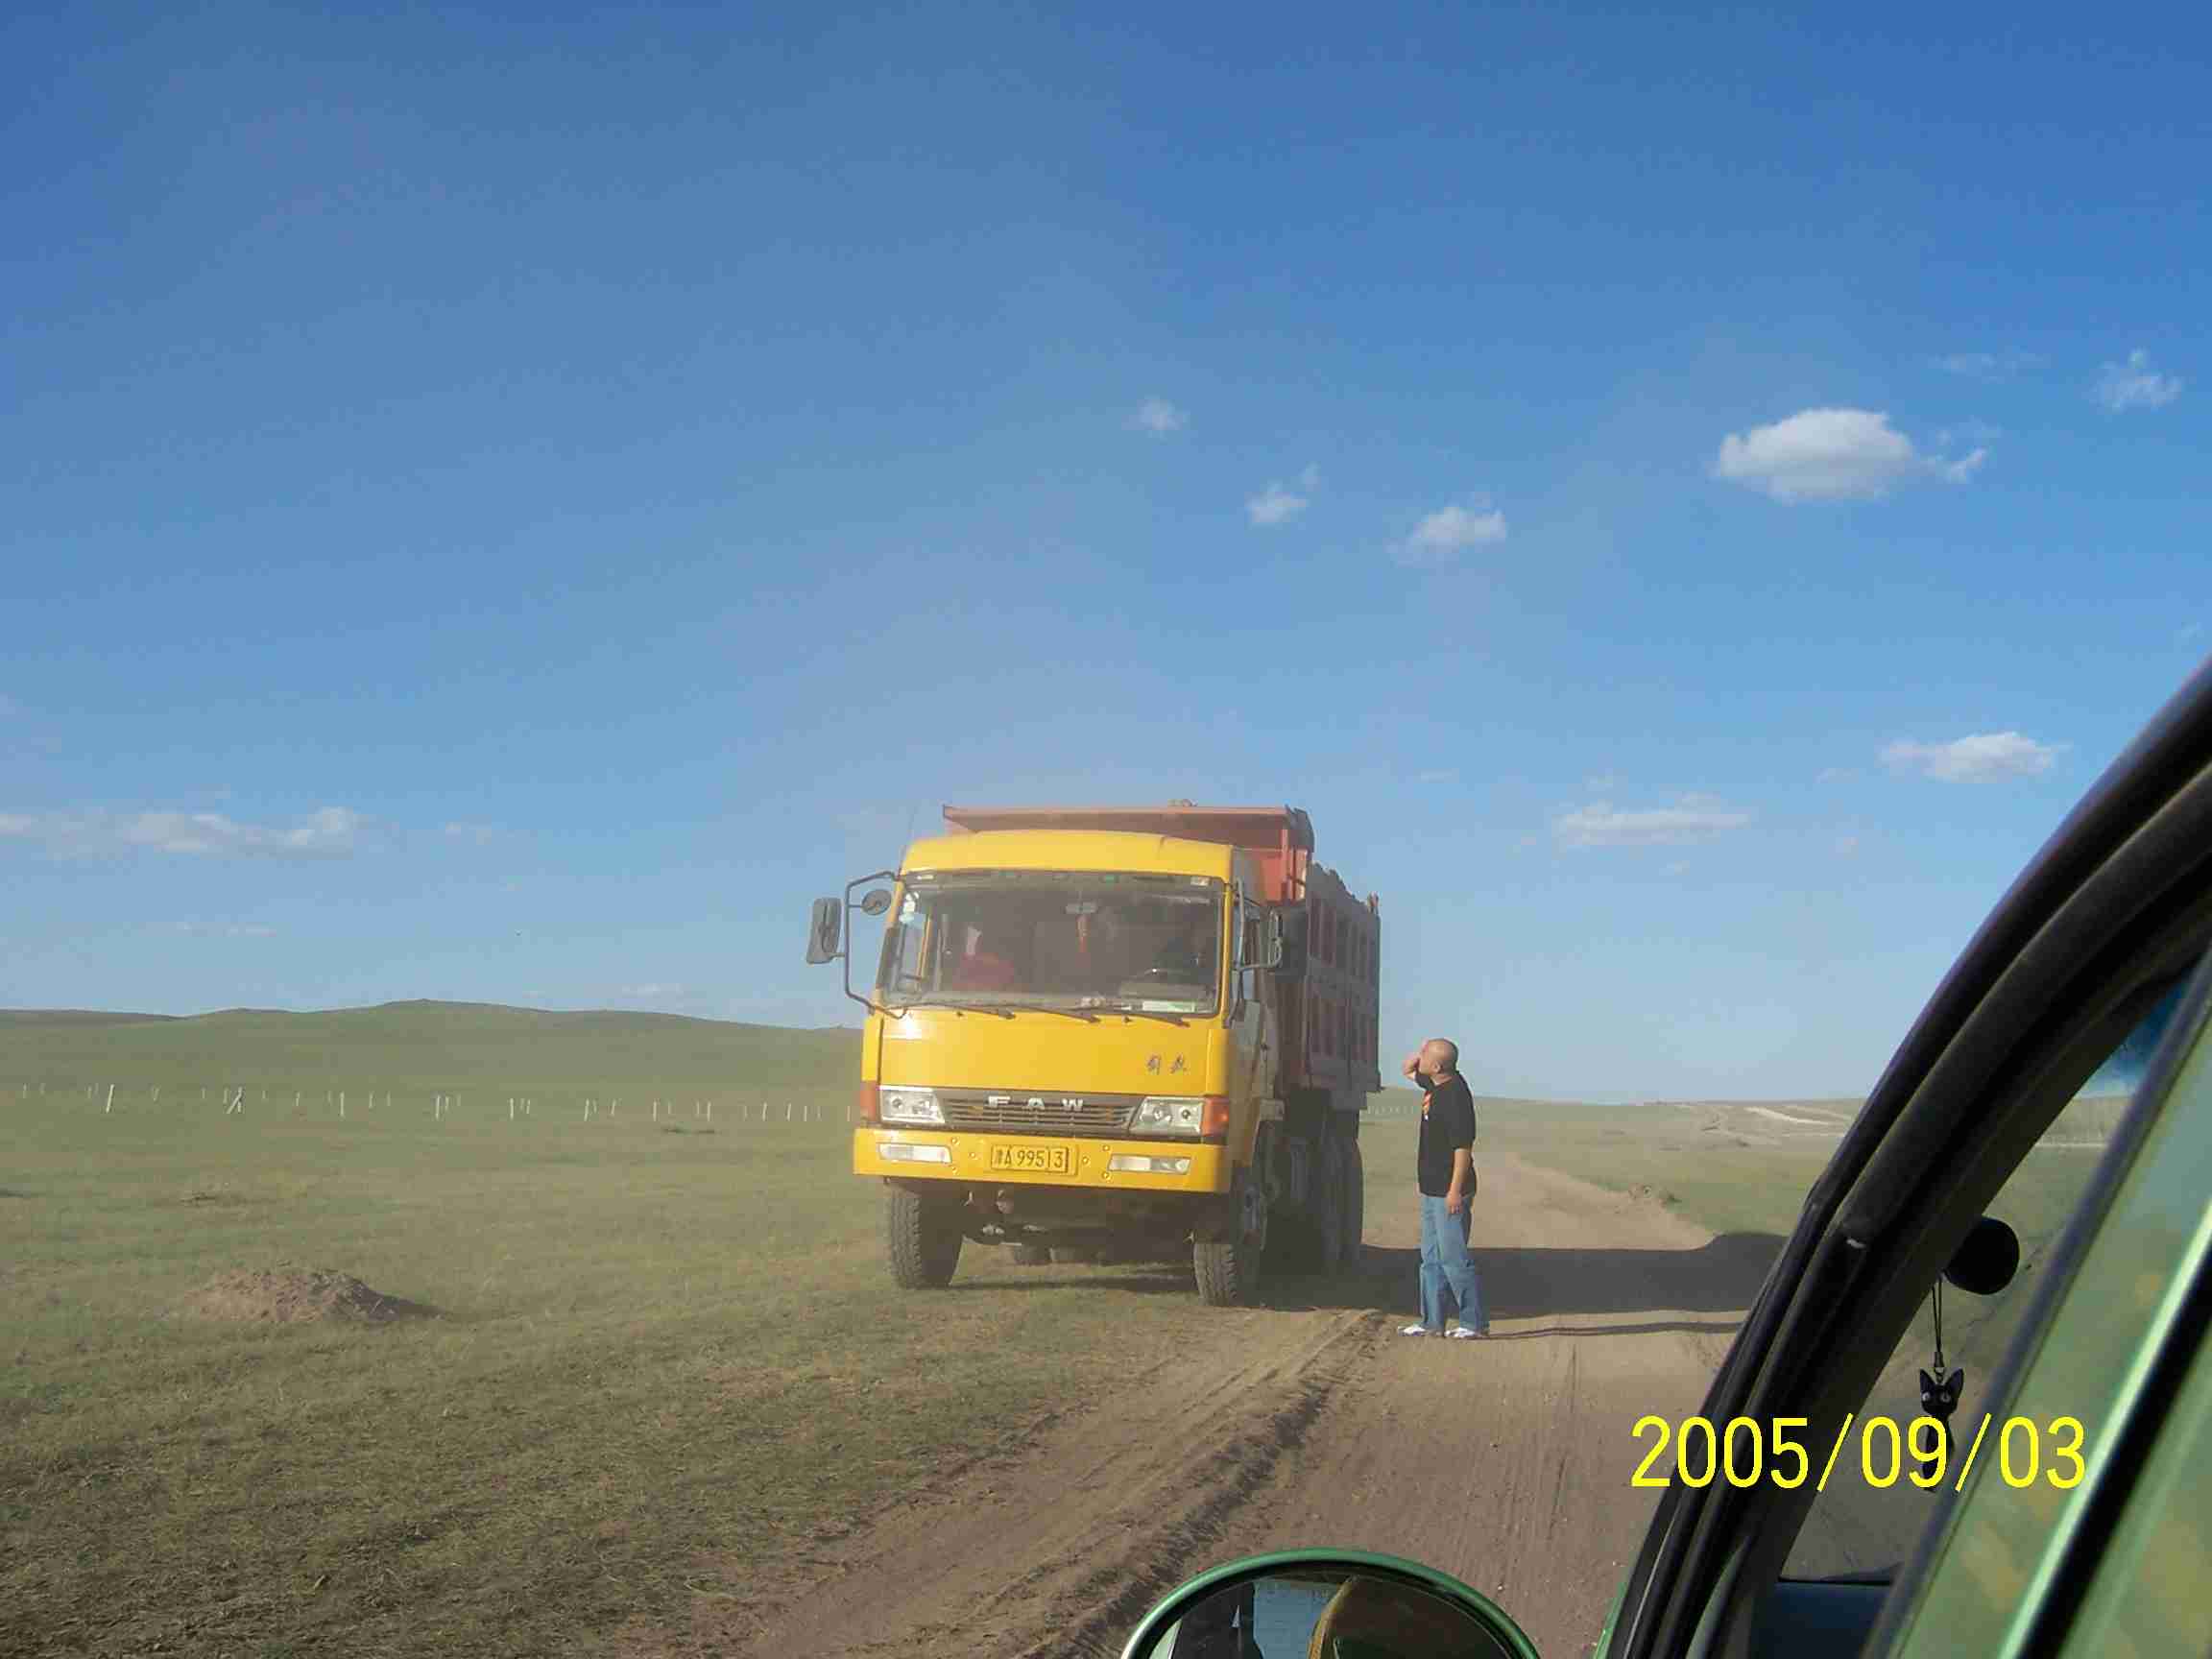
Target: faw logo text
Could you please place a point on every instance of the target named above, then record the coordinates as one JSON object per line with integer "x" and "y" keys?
{"x": 1068, "y": 1102}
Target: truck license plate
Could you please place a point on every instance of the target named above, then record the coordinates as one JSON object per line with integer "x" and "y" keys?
{"x": 1036, "y": 1160}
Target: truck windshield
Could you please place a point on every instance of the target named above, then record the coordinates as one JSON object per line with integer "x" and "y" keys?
{"x": 1075, "y": 940}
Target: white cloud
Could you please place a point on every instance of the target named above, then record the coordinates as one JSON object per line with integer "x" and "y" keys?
{"x": 1833, "y": 455}
{"x": 1275, "y": 505}
{"x": 1988, "y": 365}
{"x": 1958, "y": 471}
{"x": 1980, "y": 759}
{"x": 481, "y": 835}
{"x": 2135, "y": 385}
{"x": 654, "y": 992}
{"x": 1692, "y": 818}
{"x": 328, "y": 832}
{"x": 1443, "y": 535}
{"x": 1159, "y": 417}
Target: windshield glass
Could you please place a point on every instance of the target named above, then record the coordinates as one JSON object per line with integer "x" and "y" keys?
{"x": 1077, "y": 939}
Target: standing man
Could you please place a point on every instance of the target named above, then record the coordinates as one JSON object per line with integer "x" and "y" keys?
{"x": 1447, "y": 1176}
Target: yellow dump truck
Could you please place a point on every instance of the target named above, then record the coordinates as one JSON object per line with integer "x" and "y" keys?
{"x": 1138, "y": 1034}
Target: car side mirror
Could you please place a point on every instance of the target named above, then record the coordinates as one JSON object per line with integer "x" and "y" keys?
{"x": 1987, "y": 1258}
{"x": 826, "y": 936}
{"x": 1337, "y": 1603}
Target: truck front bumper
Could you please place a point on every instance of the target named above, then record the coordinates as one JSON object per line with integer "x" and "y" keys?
{"x": 1043, "y": 1161}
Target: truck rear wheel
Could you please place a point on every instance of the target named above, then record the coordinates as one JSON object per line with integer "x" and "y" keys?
{"x": 1328, "y": 1209}
{"x": 1355, "y": 1206}
{"x": 922, "y": 1233}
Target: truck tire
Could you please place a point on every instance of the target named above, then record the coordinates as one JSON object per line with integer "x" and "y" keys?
{"x": 1227, "y": 1268}
{"x": 922, "y": 1237}
{"x": 1031, "y": 1255}
{"x": 1228, "y": 1272}
{"x": 1329, "y": 1192}
{"x": 1355, "y": 1207}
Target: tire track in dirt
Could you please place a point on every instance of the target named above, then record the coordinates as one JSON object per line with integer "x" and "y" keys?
{"x": 1506, "y": 1462}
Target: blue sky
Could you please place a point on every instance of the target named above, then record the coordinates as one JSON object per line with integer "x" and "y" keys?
{"x": 509, "y": 504}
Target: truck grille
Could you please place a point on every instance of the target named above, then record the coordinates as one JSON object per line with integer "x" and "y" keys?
{"x": 1037, "y": 1113}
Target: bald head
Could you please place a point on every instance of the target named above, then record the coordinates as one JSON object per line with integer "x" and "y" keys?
{"x": 1439, "y": 1057}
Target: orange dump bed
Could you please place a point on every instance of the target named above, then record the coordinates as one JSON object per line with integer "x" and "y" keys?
{"x": 1279, "y": 838}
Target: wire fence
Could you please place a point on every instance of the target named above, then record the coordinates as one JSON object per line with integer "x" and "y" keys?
{"x": 241, "y": 1099}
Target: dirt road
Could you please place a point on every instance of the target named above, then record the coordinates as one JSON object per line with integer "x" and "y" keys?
{"x": 1312, "y": 1421}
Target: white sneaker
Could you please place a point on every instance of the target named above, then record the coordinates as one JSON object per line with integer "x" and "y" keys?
{"x": 1416, "y": 1331}
{"x": 1461, "y": 1331}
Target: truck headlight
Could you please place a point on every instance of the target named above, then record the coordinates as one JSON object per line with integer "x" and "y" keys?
{"x": 909, "y": 1106}
{"x": 1170, "y": 1114}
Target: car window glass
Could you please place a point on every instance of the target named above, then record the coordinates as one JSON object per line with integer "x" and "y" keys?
{"x": 2017, "y": 1525}
{"x": 1869, "y": 1515}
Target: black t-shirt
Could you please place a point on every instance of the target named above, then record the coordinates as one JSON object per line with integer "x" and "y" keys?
{"x": 1447, "y": 1125}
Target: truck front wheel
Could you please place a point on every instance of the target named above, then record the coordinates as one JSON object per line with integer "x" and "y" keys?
{"x": 1228, "y": 1265}
{"x": 922, "y": 1232}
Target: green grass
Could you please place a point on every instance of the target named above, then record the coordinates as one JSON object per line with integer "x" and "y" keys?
{"x": 1711, "y": 1178}
{"x": 656, "y": 1347}
{"x": 481, "y": 1051}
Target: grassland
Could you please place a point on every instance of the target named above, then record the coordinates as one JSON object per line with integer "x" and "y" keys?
{"x": 657, "y": 1342}
{"x": 414, "y": 1050}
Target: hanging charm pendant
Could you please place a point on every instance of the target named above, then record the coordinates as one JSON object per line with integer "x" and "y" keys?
{"x": 1940, "y": 1394}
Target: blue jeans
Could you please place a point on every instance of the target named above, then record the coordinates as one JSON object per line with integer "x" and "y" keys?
{"x": 1445, "y": 1260}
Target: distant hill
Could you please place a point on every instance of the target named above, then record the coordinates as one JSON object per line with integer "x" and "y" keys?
{"x": 421, "y": 1047}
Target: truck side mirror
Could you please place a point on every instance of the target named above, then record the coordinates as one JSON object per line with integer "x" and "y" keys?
{"x": 1292, "y": 965}
{"x": 826, "y": 934}
{"x": 1271, "y": 942}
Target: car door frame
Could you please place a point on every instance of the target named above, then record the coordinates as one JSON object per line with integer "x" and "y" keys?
{"x": 2155, "y": 1373}
{"x": 2124, "y": 883}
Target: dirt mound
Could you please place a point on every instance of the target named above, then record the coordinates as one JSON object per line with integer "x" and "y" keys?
{"x": 294, "y": 1295}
